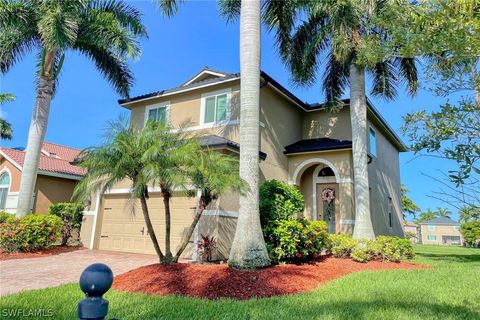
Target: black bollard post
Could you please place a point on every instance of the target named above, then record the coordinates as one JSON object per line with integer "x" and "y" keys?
{"x": 95, "y": 281}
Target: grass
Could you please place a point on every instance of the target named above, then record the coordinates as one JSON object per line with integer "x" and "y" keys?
{"x": 450, "y": 290}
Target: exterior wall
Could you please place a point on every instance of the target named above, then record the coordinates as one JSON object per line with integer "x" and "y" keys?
{"x": 302, "y": 172}
{"x": 321, "y": 124}
{"x": 86, "y": 230}
{"x": 50, "y": 190}
{"x": 439, "y": 231}
{"x": 384, "y": 182}
{"x": 15, "y": 175}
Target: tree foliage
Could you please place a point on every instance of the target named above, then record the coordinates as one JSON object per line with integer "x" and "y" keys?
{"x": 408, "y": 206}
{"x": 471, "y": 233}
{"x": 6, "y": 130}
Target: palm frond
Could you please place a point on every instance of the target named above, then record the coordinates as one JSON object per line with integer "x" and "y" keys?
{"x": 16, "y": 42}
{"x": 6, "y": 130}
{"x": 229, "y": 9}
{"x": 407, "y": 70}
{"x": 169, "y": 8}
{"x": 384, "y": 79}
{"x": 115, "y": 70}
{"x": 335, "y": 80}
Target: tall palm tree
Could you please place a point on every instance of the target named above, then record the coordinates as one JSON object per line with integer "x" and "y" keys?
{"x": 443, "y": 212}
{"x": 6, "y": 130}
{"x": 248, "y": 249}
{"x": 120, "y": 158}
{"x": 337, "y": 29}
{"x": 211, "y": 173}
{"x": 104, "y": 31}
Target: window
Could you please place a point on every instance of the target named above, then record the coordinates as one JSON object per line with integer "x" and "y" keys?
{"x": 373, "y": 143}
{"x": 390, "y": 212}
{"x": 4, "y": 186}
{"x": 158, "y": 113}
{"x": 215, "y": 107}
{"x": 431, "y": 227}
{"x": 431, "y": 237}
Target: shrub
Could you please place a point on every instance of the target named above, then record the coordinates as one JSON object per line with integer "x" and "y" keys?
{"x": 206, "y": 247}
{"x": 394, "y": 248}
{"x": 471, "y": 233}
{"x": 6, "y": 217}
{"x": 341, "y": 245}
{"x": 71, "y": 215}
{"x": 30, "y": 233}
{"x": 361, "y": 254}
{"x": 296, "y": 240}
{"x": 279, "y": 201}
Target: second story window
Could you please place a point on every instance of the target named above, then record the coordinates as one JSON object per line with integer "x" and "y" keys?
{"x": 431, "y": 227}
{"x": 373, "y": 143}
{"x": 158, "y": 113}
{"x": 215, "y": 107}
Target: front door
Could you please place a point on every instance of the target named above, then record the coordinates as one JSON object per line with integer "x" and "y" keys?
{"x": 327, "y": 205}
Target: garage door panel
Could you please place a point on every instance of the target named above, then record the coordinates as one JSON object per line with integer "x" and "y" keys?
{"x": 122, "y": 231}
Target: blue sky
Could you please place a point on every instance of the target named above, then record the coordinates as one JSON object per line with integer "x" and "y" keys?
{"x": 176, "y": 49}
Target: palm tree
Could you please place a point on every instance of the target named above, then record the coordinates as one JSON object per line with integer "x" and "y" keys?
{"x": 120, "y": 158}
{"x": 166, "y": 164}
{"x": 337, "y": 29}
{"x": 104, "y": 31}
{"x": 248, "y": 249}
{"x": 443, "y": 212}
{"x": 212, "y": 174}
{"x": 6, "y": 130}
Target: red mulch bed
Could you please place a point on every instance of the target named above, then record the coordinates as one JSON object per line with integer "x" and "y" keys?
{"x": 218, "y": 281}
{"x": 37, "y": 254}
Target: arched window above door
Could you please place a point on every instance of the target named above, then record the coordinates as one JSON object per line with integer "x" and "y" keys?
{"x": 4, "y": 186}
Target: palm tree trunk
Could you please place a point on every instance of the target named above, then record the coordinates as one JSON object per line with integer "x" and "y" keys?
{"x": 36, "y": 135}
{"x": 248, "y": 248}
{"x": 168, "y": 259}
{"x": 201, "y": 207}
{"x": 358, "y": 117}
{"x": 151, "y": 231}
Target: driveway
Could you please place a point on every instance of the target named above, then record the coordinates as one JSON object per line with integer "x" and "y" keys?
{"x": 51, "y": 271}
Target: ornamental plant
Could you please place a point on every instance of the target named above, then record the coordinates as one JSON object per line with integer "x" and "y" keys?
{"x": 294, "y": 241}
{"x": 32, "y": 232}
{"x": 341, "y": 245}
{"x": 279, "y": 201}
{"x": 6, "y": 217}
{"x": 71, "y": 214}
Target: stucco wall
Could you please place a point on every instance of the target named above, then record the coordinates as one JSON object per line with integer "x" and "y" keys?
{"x": 384, "y": 182}
{"x": 321, "y": 124}
{"x": 15, "y": 174}
{"x": 50, "y": 190}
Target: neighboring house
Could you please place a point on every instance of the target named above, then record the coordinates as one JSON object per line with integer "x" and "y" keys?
{"x": 413, "y": 229}
{"x": 301, "y": 144}
{"x": 442, "y": 230}
{"x": 56, "y": 178}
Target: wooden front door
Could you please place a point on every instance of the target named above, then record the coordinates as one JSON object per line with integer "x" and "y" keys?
{"x": 329, "y": 212}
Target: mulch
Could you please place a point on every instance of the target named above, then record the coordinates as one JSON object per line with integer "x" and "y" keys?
{"x": 42, "y": 253}
{"x": 219, "y": 281}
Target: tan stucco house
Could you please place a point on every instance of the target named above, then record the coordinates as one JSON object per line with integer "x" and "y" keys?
{"x": 301, "y": 144}
{"x": 441, "y": 230}
{"x": 56, "y": 178}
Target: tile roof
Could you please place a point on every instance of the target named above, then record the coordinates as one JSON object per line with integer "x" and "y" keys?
{"x": 54, "y": 158}
{"x": 214, "y": 141}
{"x": 441, "y": 220}
{"x": 319, "y": 144}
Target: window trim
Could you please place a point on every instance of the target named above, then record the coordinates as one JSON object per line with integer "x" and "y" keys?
{"x": 370, "y": 130}
{"x": 165, "y": 105}
{"x": 6, "y": 171}
{"x": 203, "y": 102}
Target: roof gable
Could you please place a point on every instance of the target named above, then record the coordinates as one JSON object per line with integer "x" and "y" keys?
{"x": 206, "y": 74}
{"x": 441, "y": 220}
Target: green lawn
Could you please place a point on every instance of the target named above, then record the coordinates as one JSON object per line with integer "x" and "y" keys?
{"x": 450, "y": 290}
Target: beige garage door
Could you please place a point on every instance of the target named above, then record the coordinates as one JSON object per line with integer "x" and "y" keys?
{"x": 123, "y": 229}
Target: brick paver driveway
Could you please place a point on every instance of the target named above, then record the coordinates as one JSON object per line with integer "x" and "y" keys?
{"x": 51, "y": 271}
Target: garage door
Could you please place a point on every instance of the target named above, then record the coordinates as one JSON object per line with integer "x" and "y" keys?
{"x": 124, "y": 229}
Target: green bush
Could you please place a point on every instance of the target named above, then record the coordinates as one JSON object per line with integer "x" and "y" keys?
{"x": 30, "y": 233}
{"x": 296, "y": 240}
{"x": 361, "y": 254}
{"x": 471, "y": 233}
{"x": 279, "y": 201}
{"x": 71, "y": 215}
{"x": 341, "y": 245}
{"x": 393, "y": 248}
{"x": 6, "y": 217}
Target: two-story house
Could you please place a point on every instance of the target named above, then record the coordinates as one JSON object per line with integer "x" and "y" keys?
{"x": 440, "y": 230}
{"x": 301, "y": 144}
